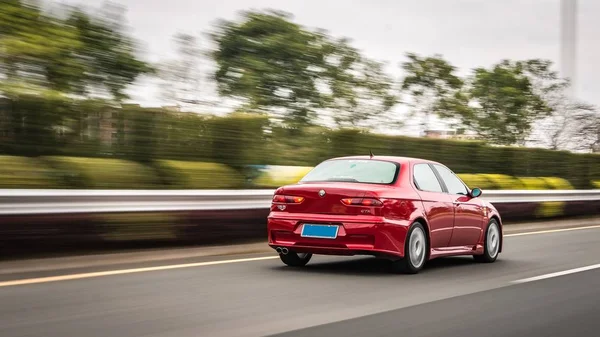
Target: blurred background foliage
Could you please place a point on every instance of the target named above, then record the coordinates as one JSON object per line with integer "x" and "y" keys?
{"x": 303, "y": 96}
{"x": 77, "y": 53}
{"x": 233, "y": 151}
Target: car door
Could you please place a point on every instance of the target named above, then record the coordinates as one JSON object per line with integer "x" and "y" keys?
{"x": 468, "y": 211}
{"x": 438, "y": 204}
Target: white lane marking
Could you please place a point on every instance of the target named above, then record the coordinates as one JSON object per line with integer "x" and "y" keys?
{"x": 557, "y": 274}
{"x": 200, "y": 264}
{"x": 553, "y": 231}
{"x": 126, "y": 271}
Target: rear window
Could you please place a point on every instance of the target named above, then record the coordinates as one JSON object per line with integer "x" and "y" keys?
{"x": 354, "y": 170}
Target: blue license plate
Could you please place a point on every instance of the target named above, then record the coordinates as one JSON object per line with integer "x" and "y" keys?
{"x": 319, "y": 231}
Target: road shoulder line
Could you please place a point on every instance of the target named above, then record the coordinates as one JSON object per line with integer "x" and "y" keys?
{"x": 558, "y": 230}
{"x": 557, "y": 274}
{"x": 125, "y": 271}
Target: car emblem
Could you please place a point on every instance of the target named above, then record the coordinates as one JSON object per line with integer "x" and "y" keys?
{"x": 322, "y": 193}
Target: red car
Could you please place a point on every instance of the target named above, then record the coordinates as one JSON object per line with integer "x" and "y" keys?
{"x": 406, "y": 210}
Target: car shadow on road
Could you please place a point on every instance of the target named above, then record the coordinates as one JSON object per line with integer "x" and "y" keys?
{"x": 369, "y": 266}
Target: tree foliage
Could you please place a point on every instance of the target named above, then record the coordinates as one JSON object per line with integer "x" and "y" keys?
{"x": 363, "y": 98}
{"x": 506, "y": 101}
{"x": 279, "y": 67}
{"x": 570, "y": 126}
{"x": 107, "y": 53}
{"x": 433, "y": 86}
{"x": 587, "y": 134}
{"x": 359, "y": 91}
{"x": 184, "y": 81}
{"x": 36, "y": 49}
{"x": 269, "y": 62}
{"x": 499, "y": 103}
{"x": 40, "y": 51}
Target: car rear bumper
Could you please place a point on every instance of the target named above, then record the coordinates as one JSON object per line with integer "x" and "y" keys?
{"x": 356, "y": 235}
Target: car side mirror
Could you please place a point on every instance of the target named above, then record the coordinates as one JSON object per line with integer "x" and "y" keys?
{"x": 476, "y": 192}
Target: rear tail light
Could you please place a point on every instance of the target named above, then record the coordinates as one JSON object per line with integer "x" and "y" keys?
{"x": 368, "y": 202}
{"x": 287, "y": 199}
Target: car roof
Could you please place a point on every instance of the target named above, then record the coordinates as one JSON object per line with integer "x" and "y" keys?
{"x": 395, "y": 159}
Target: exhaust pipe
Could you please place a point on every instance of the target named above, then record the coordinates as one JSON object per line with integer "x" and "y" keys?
{"x": 282, "y": 250}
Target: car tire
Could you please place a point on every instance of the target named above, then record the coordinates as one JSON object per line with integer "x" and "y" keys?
{"x": 491, "y": 244}
{"x": 294, "y": 259}
{"x": 415, "y": 251}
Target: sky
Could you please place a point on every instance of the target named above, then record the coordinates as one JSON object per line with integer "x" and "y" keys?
{"x": 468, "y": 33}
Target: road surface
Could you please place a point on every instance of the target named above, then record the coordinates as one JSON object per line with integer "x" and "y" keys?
{"x": 332, "y": 296}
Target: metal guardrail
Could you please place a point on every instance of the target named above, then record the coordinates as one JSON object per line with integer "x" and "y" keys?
{"x": 24, "y": 202}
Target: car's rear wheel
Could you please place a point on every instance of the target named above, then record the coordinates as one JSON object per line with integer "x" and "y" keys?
{"x": 294, "y": 259}
{"x": 491, "y": 244}
{"x": 415, "y": 251}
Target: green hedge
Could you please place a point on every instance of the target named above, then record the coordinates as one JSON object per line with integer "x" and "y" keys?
{"x": 101, "y": 173}
{"x": 194, "y": 175}
{"x": 281, "y": 177}
{"x": 504, "y": 182}
{"x": 30, "y": 127}
{"x": 23, "y": 172}
{"x": 96, "y": 173}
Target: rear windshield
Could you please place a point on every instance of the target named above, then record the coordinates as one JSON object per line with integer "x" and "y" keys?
{"x": 354, "y": 170}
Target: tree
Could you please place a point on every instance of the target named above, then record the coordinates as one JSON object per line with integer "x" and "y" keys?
{"x": 568, "y": 127}
{"x": 360, "y": 90}
{"x": 276, "y": 66}
{"x": 107, "y": 53}
{"x": 506, "y": 101}
{"x": 39, "y": 51}
{"x": 183, "y": 80}
{"x": 570, "y": 124}
{"x": 36, "y": 50}
{"x": 270, "y": 63}
{"x": 587, "y": 134}
{"x": 433, "y": 87}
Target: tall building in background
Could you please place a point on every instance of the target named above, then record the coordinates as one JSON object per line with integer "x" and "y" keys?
{"x": 568, "y": 43}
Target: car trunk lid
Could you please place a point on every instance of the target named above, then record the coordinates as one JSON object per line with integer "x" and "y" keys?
{"x": 327, "y": 198}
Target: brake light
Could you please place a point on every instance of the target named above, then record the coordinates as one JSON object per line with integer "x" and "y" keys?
{"x": 287, "y": 199}
{"x": 369, "y": 202}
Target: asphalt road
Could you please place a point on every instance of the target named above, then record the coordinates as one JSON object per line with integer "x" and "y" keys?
{"x": 332, "y": 296}
{"x": 567, "y": 306}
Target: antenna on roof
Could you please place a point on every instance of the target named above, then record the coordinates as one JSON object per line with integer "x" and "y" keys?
{"x": 371, "y": 153}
